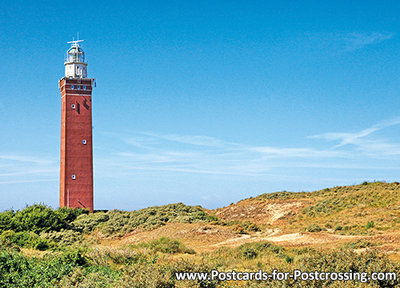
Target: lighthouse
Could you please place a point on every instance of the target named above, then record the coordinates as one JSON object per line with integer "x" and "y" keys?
{"x": 76, "y": 163}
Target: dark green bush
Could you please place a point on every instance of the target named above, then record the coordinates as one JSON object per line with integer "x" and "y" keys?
{"x": 244, "y": 227}
{"x": 338, "y": 228}
{"x": 37, "y": 218}
{"x": 26, "y": 240}
{"x": 74, "y": 257}
{"x": 249, "y": 253}
{"x": 67, "y": 215}
{"x": 212, "y": 218}
{"x": 314, "y": 228}
{"x": 370, "y": 224}
{"x": 19, "y": 271}
{"x": 6, "y": 222}
{"x": 166, "y": 245}
{"x": 41, "y": 245}
{"x": 288, "y": 259}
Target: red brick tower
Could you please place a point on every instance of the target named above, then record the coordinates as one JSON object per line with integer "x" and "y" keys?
{"x": 76, "y": 165}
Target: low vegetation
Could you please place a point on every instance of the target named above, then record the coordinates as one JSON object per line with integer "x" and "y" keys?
{"x": 166, "y": 245}
{"x": 43, "y": 247}
{"x": 118, "y": 223}
{"x": 136, "y": 267}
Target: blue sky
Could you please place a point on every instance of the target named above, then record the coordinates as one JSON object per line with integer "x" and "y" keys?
{"x": 203, "y": 102}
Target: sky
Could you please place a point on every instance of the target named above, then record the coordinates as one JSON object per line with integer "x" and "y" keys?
{"x": 203, "y": 102}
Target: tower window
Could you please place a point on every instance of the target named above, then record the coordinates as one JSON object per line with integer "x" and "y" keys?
{"x": 73, "y": 177}
{"x": 73, "y": 106}
{"x": 84, "y": 87}
{"x": 84, "y": 141}
{"x": 72, "y": 87}
{"x": 79, "y": 87}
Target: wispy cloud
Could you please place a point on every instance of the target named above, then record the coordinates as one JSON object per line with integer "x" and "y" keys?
{"x": 355, "y": 41}
{"x": 190, "y": 139}
{"x": 25, "y": 158}
{"x": 147, "y": 152}
{"x": 275, "y": 152}
{"x": 345, "y": 42}
{"x": 26, "y": 181}
{"x": 363, "y": 141}
{"x": 22, "y": 168}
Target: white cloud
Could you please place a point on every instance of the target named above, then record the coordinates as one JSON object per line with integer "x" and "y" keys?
{"x": 364, "y": 141}
{"x": 344, "y": 42}
{"x": 151, "y": 152}
{"x": 25, "y": 158}
{"x": 190, "y": 139}
{"x": 26, "y": 169}
{"x": 294, "y": 152}
{"x": 355, "y": 41}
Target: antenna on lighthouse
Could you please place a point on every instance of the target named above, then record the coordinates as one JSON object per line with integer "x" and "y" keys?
{"x": 75, "y": 42}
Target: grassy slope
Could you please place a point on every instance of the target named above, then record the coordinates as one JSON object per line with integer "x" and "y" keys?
{"x": 132, "y": 239}
{"x": 351, "y": 207}
{"x": 360, "y": 215}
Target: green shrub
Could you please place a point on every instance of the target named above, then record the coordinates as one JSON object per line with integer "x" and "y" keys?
{"x": 249, "y": 253}
{"x": 338, "y": 228}
{"x": 118, "y": 223}
{"x": 87, "y": 223}
{"x": 6, "y": 222}
{"x": 68, "y": 215}
{"x": 63, "y": 237}
{"x": 370, "y": 224}
{"x": 212, "y": 218}
{"x": 288, "y": 259}
{"x": 41, "y": 244}
{"x": 314, "y": 228}
{"x": 74, "y": 257}
{"x": 244, "y": 227}
{"x": 19, "y": 271}
{"x": 166, "y": 245}
{"x": 26, "y": 240}
{"x": 282, "y": 195}
{"x": 37, "y": 218}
